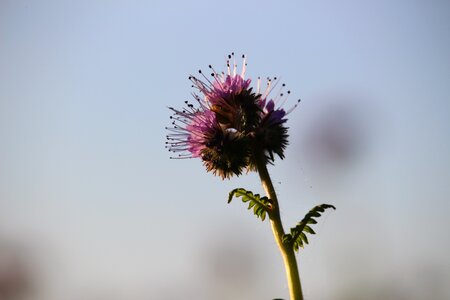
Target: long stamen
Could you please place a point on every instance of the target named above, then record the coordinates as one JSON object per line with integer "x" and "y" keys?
{"x": 216, "y": 77}
{"x": 244, "y": 66}
{"x": 294, "y": 107}
{"x": 234, "y": 64}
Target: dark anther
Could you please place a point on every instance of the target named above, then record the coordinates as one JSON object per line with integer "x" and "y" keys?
{"x": 210, "y": 66}
{"x": 288, "y": 92}
{"x": 186, "y": 102}
{"x": 212, "y": 74}
{"x": 200, "y": 71}
{"x": 275, "y": 78}
{"x": 232, "y": 53}
{"x": 281, "y": 94}
{"x": 229, "y": 56}
{"x": 243, "y": 55}
{"x": 284, "y": 84}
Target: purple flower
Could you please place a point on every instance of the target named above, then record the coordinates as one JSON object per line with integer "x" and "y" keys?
{"x": 231, "y": 124}
{"x": 196, "y": 133}
{"x": 224, "y": 88}
{"x": 200, "y": 130}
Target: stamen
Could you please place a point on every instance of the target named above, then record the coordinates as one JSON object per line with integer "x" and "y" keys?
{"x": 244, "y": 66}
{"x": 294, "y": 107}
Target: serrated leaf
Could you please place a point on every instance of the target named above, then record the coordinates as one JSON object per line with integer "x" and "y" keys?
{"x": 263, "y": 216}
{"x": 304, "y": 238}
{"x": 308, "y": 229}
{"x": 313, "y": 214}
{"x": 298, "y": 237}
{"x": 260, "y": 205}
{"x": 286, "y": 238}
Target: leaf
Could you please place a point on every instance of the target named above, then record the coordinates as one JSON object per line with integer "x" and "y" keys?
{"x": 297, "y": 238}
{"x": 260, "y": 205}
{"x": 308, "y": 229}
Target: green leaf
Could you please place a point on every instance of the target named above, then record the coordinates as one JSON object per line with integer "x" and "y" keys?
{"x": 297, "y": 238}
{"x": 260, "y": 205}
{"x": 308, "y": 229}
{"x": 287, "y": 238}
{"x": 304, "y": 238}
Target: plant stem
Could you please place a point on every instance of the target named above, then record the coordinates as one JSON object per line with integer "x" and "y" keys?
{"x": 287, "y": 252}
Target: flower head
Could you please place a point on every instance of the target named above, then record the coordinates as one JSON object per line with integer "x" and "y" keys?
{"x": 231, "y": 124}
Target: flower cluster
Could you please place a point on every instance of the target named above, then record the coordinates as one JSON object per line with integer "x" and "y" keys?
{"x": 231, "y": 126}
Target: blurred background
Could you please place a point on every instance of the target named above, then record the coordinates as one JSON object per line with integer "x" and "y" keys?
{"x": 91, "y": 207}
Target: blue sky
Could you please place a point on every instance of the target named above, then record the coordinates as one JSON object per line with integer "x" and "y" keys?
{"x": 84, "y": 91}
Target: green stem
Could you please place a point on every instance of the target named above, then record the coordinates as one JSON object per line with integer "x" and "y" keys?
{"x": 287, "y": 252}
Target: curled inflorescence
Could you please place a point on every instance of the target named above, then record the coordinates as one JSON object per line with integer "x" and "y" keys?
{"x": 231, "y": 125}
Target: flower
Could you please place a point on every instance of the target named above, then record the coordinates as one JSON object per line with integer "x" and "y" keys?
{"x": 231, "y": 127}
{"x": 272, "y": 134}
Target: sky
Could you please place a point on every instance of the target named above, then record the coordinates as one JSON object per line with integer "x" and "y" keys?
{"x": 92, "y": 207}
